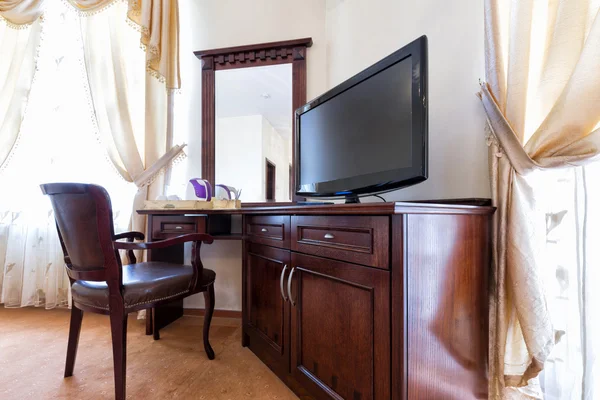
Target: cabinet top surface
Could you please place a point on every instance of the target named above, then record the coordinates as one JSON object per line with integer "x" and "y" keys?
{"x": 389, "y": 208}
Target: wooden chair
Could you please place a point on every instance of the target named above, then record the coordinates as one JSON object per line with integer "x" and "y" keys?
{"x": 101, "y": 284}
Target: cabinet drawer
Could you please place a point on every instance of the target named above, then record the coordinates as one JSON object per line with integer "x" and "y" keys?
{"x": 169, "y": 226}
{"x": 361, "y": 240}
{"x": 272, "y": 230}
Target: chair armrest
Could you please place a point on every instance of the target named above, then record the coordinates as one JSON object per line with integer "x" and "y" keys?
{"x": 196, "y": 238}
{"x": 129, "y": 235}
{"x": 191, "y": 237}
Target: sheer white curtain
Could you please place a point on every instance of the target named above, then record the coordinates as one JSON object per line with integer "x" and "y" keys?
{"x": 569, "y": 198}
{"x": 58, "y": 141}
{"x": 18, "y": 50}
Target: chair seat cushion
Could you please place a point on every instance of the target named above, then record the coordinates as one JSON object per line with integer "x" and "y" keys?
{"x": 143, "y": 283}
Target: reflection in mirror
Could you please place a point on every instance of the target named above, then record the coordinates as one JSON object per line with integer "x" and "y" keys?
{"x": 253, "y": 131}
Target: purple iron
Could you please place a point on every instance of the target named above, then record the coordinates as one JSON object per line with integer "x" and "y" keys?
{"x": 202, "y": 188}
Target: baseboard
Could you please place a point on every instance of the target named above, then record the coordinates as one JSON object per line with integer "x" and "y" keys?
{"x": 199, "y": 312}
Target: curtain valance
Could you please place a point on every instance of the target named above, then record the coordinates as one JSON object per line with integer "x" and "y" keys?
{"x": 157, "y": 21}
{"x": 21, "y": 12}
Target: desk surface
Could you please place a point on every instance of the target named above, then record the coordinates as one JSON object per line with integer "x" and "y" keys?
{"x": 458, "y": 206}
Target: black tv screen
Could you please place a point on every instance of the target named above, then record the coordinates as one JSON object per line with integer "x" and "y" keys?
{"x": 368, "y": 134}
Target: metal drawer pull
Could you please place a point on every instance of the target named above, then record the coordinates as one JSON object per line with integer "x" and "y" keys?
{"x": 290, "y": 286}
{"x": 264, "y": 230}
{"x": 328, "y": 236}
{"x": 179, "y": 227}
{"x": 281, "y": 282}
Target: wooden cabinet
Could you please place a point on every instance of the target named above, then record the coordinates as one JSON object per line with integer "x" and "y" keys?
{"x": 267, "y": 311}
{"x": 340, "y": 336}
{"x": 370, "y": 302}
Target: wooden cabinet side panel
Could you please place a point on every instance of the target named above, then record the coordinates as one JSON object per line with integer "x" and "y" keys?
{"x": 447, "y": 264}
{"x": 398, "y": 309}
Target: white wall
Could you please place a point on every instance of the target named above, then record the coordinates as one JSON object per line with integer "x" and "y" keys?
{"x": 276, "y": 149}
{"x": 238, "y": 148}
{"x": 360, "y": 33}
{"x": 208, "y": 24}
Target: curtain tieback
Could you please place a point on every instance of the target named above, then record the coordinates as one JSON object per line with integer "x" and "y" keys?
{"x": 171, "y": 157}
{"x": 504, "y": 133}
{"x": 579, "y": 151}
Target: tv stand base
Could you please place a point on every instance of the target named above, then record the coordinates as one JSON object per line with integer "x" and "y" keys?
{"x": 352, "y": 199}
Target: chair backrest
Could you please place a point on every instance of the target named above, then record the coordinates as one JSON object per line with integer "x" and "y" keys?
{"x": 84, "y": 221}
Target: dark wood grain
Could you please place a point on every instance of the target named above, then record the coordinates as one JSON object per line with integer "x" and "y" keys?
{"x": 164, "y": 227}
{"x": 209, "y": 303}
{"x": 357, "y": 239}
{"x": 272, "y": 230}
{"x": 161, "y": 244}
{"x": 399, "y": 314}
{"x": 298, "y": 100}
{"x": 74, "y": 331}
{"x": 267, "y": 321}
{"x": 340, "y": 329}
{"x": 284, "y": 52}
{"x": 447, "y": 267}
{"x": 130, "y": 236}
{"x": 118, "y": 328}
{"x": 218, "y": 313}
{"x": 379, "y": 208}
{"x": 245, "y": 248}
{"x": 472, "y": 201}
{"x": 304, "y": 42}
{"x": 208, "y": 120}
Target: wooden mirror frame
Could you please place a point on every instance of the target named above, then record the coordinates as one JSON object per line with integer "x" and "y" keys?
{"x": 256, "y": 55}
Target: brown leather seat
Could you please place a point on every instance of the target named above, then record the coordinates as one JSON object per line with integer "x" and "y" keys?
{"x": 143, "y": 283}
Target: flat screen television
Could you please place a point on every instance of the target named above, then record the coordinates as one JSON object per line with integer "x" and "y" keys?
{"x": 367, "y": 135}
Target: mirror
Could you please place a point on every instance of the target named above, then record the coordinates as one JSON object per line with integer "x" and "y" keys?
{"x": 249, "y": 94}
{"x": 253, "y": 132}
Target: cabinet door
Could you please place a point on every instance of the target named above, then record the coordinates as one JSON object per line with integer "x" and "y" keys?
{"x": 267, "y": 322}
{"x": 340, "y": 321}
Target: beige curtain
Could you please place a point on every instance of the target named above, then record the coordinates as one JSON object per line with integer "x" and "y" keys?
{"x": 20, "y": 35}
{"x": 542, "y": 100}
{"x": 158, "y": 23}
{"x": 131, "y": 108}
{"x": 21, "y": 12}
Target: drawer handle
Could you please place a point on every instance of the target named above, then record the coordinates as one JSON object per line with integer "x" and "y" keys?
{"x": 328, "y": 236}
{"x": 281, "y": 283}
{"x": 264, "y": 230}
{"x": 179, "y": 227}
{"x": 290, "y": 286}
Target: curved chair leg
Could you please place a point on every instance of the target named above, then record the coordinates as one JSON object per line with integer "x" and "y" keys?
{"x": 74, "y": 330}
{"x": 118, "y": 327}
{"x": 209, "y": 307}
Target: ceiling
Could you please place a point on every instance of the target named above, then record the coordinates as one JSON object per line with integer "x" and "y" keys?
{"x": 263, "y": 91}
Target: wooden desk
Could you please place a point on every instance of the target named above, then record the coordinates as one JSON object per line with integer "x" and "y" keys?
{"x": 358, "y": 301}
